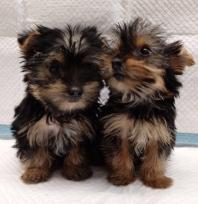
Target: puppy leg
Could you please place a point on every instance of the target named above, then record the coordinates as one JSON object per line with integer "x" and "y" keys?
{"x": 152, "y": 171}
{"x": 37, "y": 169}
{"x": 76, "y": 165}
{"x": 120, "y": 164}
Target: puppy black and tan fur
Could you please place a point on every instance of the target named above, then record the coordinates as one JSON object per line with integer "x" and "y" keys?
{"x": 56, "y": 120}
{"x": 138, "y": 121}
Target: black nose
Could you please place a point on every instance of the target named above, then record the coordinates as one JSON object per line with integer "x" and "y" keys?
{"x": 75, "y": 92}
{"x": 118, "y": 69}
{"x": 117, "y": 65}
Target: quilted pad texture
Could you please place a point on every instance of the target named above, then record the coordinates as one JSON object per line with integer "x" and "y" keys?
{"x": 179, "y": 18}
{"x": 96, "y": 190}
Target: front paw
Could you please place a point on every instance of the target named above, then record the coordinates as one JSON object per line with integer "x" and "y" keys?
{"x": 35, "y": 175}
{"x": 77, "y": 173}
{"x": 120, "y": 180}
{"x": 158, "y": 182}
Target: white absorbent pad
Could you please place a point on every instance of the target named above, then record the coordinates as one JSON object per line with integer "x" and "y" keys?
{"x": 182, "y": 167}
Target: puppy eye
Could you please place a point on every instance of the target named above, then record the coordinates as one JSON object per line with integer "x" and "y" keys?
{"x": 145, "y": 51}
{"x": 54, "y": 67}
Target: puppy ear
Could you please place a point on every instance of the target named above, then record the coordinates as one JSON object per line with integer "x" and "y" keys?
{"x": 179, "y": 57}
{"x": 37, "y": 40}
{"x": 26, "y": 41}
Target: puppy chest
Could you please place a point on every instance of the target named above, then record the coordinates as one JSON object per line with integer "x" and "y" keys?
{"x": 56, "y": 136}
{"x": 138, "y": 133}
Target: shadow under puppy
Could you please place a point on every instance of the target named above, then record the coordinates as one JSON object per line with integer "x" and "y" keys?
{"x": 57, "y": 117}
{"x": 138, "y": 121}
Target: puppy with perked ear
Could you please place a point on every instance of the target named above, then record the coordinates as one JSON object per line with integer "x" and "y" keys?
{"x": 57, "y": 120}
{"x": 138, "y": 121}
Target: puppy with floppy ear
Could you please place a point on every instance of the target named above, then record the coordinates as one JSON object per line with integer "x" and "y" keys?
{"x": 56, "y": 120}
{"x": 138, "y": 121}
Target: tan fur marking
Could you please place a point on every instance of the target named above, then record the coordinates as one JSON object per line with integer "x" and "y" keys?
{"x": 43, "y": 70}
{"x": 35, "y": 90}
{"x": 140, "y": 70}
{"x": 141, "y": 136}
{"x": 143, "y": 131}
{"x": 57, "y": 94}
{"x": 35, "y": 175}
{"x": 59, "y": 56}
{"x": 56, "y": 88}
{"x": 28, "y": 40}
{"x": 75, "y": 156}
{"x": 53, "y": 93}
{"x": 130, "y": 63}
{"x": 40, "y": 133}
{"x": 121, "y": 166}
{"x": 43, "y": 73}
{"x": 76, "y": 165}
{"x": 142, "y": 40}
{"x": 137, "y": 73}
{"x": 189, "y": 61}
{"x": 40, "y": 159}
{"x": 153, "y": 168}
{"x": 121, "y": 86}
{"x": 38, "y": 168}
{"x": 138, "y": 132}
{"x": 91, "y": 90}
{"x": 117, "y": 123}
{"x": 181, "y": 61}
{"x": 123, "y": 160}
{"x": 106, "y": 65}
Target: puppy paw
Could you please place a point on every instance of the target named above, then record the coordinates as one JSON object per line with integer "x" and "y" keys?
{"x": 35, "y": 175}
{"x": 159, "y": 182}
{"x": 120, "y": 180}
{"x": 77, "y": 173}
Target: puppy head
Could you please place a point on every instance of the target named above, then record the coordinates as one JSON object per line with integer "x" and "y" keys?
{"x": 142, "y": 65}
{"x": 62, "y": 66}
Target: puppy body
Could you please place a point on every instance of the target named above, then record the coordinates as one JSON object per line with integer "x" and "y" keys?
{"x": 140, "y": 134}
{"x": 56, "y": 120}
{"x": 139, "y": 119}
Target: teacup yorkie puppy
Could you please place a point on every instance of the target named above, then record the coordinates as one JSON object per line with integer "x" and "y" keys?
{"x": 56, "y": 119}
{"x": 139, "y": 118}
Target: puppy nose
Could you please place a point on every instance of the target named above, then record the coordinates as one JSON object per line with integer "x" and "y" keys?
{"x": 75, "y": 92}
{"x": 117, "y": 65}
